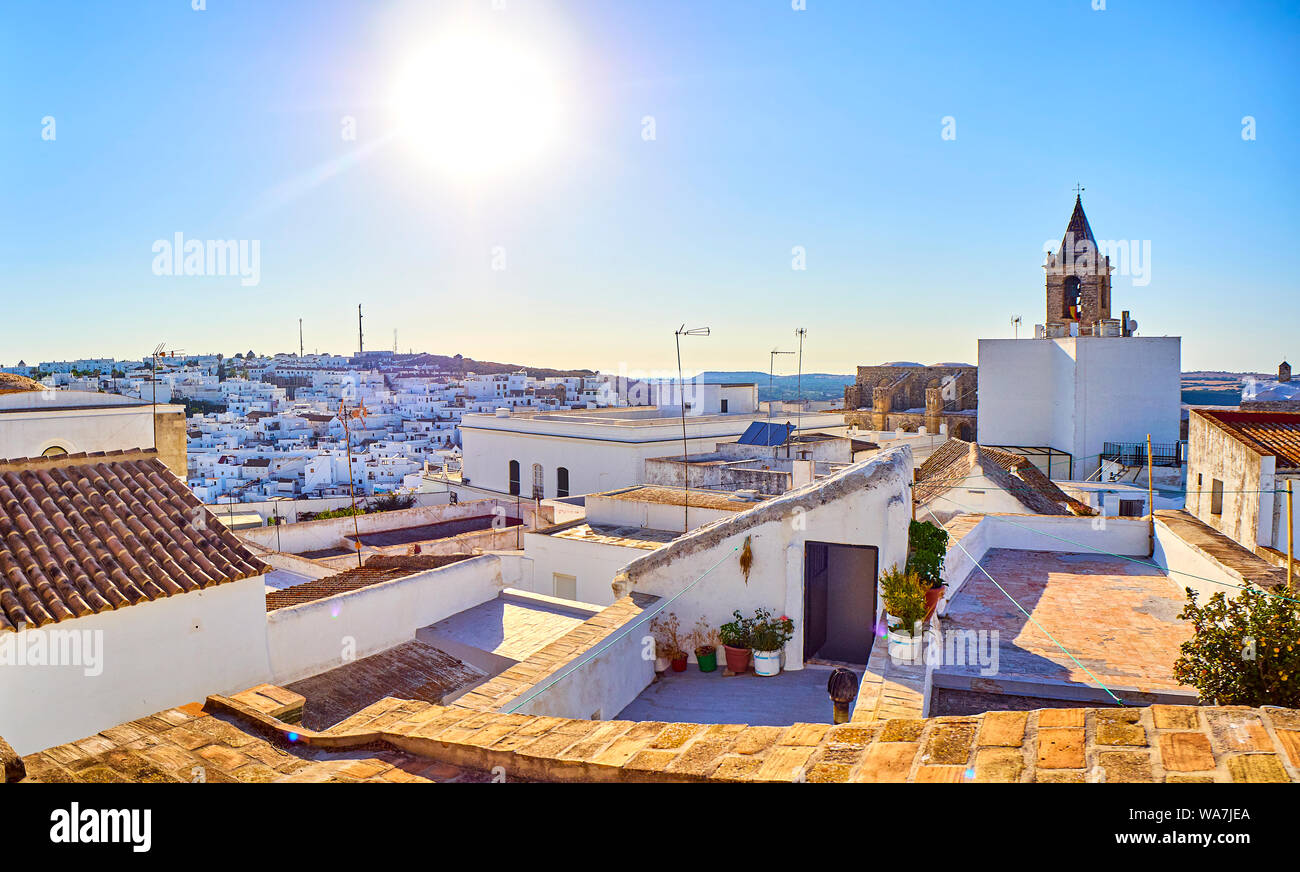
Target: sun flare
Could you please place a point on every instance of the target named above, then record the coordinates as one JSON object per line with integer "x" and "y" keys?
{"x": 474, "y": 103}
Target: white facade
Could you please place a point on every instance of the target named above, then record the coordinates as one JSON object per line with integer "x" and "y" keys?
{"x": 153, "y": 656}
{"x": 34, "y": 422}
{"x": 1073, "y": 394}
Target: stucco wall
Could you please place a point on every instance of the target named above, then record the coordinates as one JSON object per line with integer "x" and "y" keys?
{"x": 593, "y": 564}
{"x": 331, "y": 532}
{"x": 1212, "y": 453}
{"x": 313, "y": 637}
{"x": 29, "y": 430}
{"x": 1075, "y": 394}
{"x": 597, "y": 688}
{"x": 156, "y": 655}
{"x": 865, "y": 504}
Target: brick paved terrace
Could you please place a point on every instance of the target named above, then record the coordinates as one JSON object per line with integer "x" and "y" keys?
{"x": 1118, "y": 618}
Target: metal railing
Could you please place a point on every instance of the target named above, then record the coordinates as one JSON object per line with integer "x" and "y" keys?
{"x": 1170, "y": 454}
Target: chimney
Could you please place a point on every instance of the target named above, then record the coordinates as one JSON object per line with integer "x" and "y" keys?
{"x": 1284, "y": 372}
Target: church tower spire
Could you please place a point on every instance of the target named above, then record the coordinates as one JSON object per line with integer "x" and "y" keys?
{"x": 1078, "y": 277}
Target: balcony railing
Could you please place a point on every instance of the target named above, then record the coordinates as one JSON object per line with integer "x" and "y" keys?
{"x": 1170, "y": 454}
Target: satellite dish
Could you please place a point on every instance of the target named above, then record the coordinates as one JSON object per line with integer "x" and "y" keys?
{"x": 1132, "y": 325}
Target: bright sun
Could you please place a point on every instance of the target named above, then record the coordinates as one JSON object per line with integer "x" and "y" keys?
{"x": 474, "y": 104}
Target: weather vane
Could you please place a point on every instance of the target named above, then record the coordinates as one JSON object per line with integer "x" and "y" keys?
{"x": 1079, "y": 189}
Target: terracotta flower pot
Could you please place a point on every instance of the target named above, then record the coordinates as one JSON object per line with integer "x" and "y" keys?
{"x": 932, "y": 597}
{"x": 737, "y": 658}
{"x": 679, "y": 663}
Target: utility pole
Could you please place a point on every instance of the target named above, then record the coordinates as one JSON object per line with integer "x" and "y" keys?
{"x": 1290, "y": 538}
{"x": 771, "y": 368}
{"x": 361, "y": 342}
{"x": 300, "y": 337}
{"x": 1151, "y": 501}
{"x": 681, "y": 384}
{"x": 153, "y": 380}
{"x": 1015, "y": 325}
{"x": 801, "y": 332}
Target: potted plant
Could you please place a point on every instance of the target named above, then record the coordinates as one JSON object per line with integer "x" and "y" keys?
{"x": 927, "y": 545}
{"x": 735, "y": 641}
{"x": 706, "y": 643}
{"x": 904, "y": 596}
{"x": 667, "y": 647}
{"x": 767, "y": 637}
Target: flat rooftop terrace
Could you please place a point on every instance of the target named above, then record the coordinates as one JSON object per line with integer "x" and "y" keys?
{"x": 512, "y": 626}
{"x": 797, "y": 697}
{"x": 1118, "y": 618}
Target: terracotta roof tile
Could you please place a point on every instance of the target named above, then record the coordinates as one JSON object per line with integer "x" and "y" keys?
{"x": 952, "y": 463}
{"x": 377, "y": 569}
{"x": 85, "y": 533}
{"x": 1275, "y": 433}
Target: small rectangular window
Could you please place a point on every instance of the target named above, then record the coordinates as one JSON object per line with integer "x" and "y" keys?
{"x": 1216, "y": 497}
{"x": 724, "y": 407}
{"x": 565, "y": 586}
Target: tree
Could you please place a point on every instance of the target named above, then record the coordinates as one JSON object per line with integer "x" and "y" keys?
{"x": 1244, "y": 651}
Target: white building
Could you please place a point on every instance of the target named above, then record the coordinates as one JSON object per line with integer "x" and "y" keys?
{"x": 1239, "y": 466}
{"x": 145, "y": 635}
{"x": 578, "y": 559}
{"x": 35, "y": 423}
{"x": 1074, "y": 394}
{"x": 548, "y": 454}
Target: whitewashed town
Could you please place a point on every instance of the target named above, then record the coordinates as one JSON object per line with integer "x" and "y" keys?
{"x": 546, "y": 437}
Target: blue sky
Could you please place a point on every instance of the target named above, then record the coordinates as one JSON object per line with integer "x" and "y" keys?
{"x": 774, "y": 128}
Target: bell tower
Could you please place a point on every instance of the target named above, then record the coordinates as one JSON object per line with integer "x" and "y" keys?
{"x": 1078, "y": 277}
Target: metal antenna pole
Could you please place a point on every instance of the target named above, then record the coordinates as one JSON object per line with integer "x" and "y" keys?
{"x": 771, "y": 368}
{"x": 801, "y": 332}
{"x": 681, "y": 384}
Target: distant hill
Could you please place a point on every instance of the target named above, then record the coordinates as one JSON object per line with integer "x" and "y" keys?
{"x": 457, "y": 363}
{"x": 1215, "y": 387}
{"x": 816, "y": 385}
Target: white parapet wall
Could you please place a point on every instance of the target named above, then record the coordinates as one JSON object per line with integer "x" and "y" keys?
{"x": 331, "y": 532}
{"x": 317, "y": 636}
{"x": 133, "y": 662}
{"x": 595, "y": 686}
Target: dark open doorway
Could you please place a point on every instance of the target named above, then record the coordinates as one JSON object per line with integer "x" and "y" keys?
{"x": 839, "y": 603}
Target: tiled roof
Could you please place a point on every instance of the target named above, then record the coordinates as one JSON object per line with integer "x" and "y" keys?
{"x": 952, "y": 463}
{"x": 377, "y": 569}
{"x": 1269, "y": 433}
{"x": 411, "y": 670}
{"x": 675, "y": 496}
{"x": 85, "y": 533}
{"x": 1077, "y": 230}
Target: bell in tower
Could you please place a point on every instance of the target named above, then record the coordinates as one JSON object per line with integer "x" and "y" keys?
{"x": 1078, "y": 278}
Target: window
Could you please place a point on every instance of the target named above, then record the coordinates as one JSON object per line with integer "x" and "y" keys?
{"x": 1130, "y": 508}
{"x": 1070, "y": 299}
{"x": 514, "y": 478}
{"x": 562, "y": 481}
{"x": 1216, "y": 497}
{"x": 539, "y": 481}
{"x": 724, "y": 407}
{"x": 565, "y": 586}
